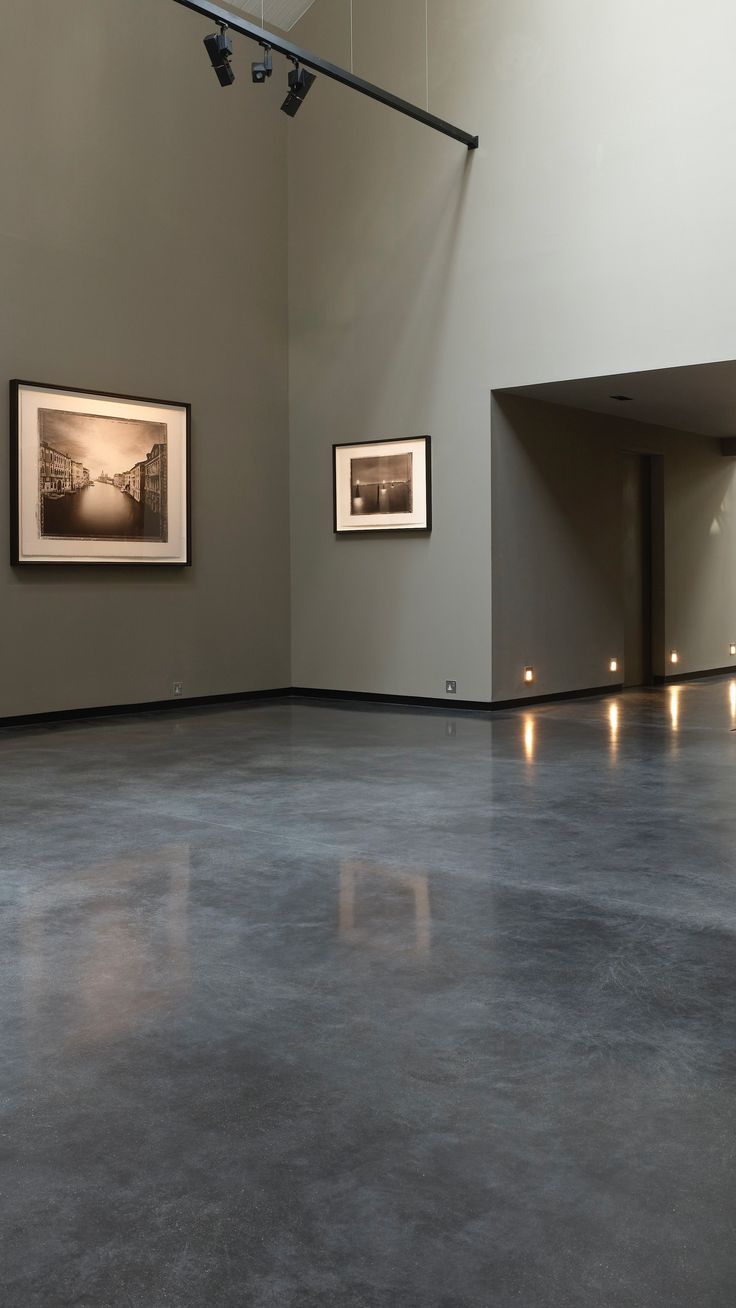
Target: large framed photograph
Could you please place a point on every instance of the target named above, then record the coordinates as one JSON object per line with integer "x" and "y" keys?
{"x": 383, "y": 486}
{"x": 98, "y": 478}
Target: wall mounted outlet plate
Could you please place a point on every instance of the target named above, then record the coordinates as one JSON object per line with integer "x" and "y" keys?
{"x": 451, "y": 687}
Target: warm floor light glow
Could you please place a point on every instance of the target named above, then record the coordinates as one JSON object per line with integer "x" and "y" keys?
{"x": 528, "y": 675}
{"x": 732, "y": 699}
{"x": 674, "y": 656}
{"x": 732, "y": 647}
{"x": 675, "y": 692}
{"x": 529, "y": 738}
{"x": 613, "y": 719}
{"x": 613, "y": 665}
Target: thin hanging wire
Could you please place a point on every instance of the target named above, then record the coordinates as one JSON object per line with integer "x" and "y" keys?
{"x": 263, "y": 8}
{"x": 352, "y": 46}
{"x": 426, "y": 45}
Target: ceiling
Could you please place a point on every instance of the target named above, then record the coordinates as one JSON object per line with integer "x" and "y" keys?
{"x": 276, "y": 13}
{"x": 700, "y": 397}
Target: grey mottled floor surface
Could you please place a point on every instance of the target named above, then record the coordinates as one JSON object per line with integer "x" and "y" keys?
{"x": 323, "y": 1007}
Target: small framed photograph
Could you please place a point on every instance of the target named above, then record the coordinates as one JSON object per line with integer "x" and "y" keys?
{"x": 98, "y": 478}
{"x": 383, "y": 486}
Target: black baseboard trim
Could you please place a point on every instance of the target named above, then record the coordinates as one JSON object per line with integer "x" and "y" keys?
{"x": 148, "y": 706}
{"x": 450, "y": 704}
{"x": 407, "y": 701}
{"x": 286, "y": 693}
{"x": 593, "y": 692}
{"x": 677, "y": 677}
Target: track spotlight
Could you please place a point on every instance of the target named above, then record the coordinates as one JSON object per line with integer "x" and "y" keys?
{"x": 261, "y": 71}
{"x": 220, "y": 48}
{"x": 300, "y": 84}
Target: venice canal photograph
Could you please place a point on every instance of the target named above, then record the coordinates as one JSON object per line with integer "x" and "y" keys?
{"x": 102, "y": 478}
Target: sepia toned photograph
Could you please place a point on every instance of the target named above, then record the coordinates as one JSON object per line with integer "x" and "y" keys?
{"x": 382, "y": 486}
{"x": 80, "y": 498}
{"x": 98, "y": 478}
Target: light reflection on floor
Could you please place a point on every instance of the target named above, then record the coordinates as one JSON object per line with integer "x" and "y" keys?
{"x": 614, "y": 715}
{"x": 626, "y": 706}
{"x": 121, "y": 966}
{"x": 364, "y": 919}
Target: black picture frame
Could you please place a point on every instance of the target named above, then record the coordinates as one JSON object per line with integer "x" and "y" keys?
{"x": 17, "y": 556}
{"x": 423, "y": 528}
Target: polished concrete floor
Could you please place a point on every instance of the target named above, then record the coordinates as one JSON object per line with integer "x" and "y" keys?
{"x": 306, "y": 1005}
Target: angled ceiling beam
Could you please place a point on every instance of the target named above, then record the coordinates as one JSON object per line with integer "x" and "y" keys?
{"x": 333, "y": 71}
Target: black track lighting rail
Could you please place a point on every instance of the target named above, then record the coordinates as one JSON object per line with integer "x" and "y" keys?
{"x": 333, "y": 71}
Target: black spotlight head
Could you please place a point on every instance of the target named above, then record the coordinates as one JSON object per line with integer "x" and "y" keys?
{"x": 300, "y": 84}
{"x": 220, "y": 48}
{"x": 261, "y": 71}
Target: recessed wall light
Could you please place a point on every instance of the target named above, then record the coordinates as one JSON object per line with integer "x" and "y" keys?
{"x": 732, "y": 647}
{"x": 674, "y": 656}
{"x": 613, "y": 665}
{"x": 528, "y": 675}
{"x": 622, "y": 399}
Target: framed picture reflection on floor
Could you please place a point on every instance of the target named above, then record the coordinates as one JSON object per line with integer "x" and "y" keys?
{"x": 98, "y": 478}
{"x": 383, "y": 486}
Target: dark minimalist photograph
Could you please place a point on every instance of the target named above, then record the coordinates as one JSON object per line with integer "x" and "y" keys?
{"x": 98, "y": 478}
{"x": 101, "y": 478}
{"x": 382, "y": 486}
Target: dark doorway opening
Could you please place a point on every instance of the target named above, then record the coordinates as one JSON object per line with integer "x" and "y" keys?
{"x": 639, "y": 527}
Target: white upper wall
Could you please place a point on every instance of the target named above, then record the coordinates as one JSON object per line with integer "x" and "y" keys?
{"x": 605, "y": 199}
{"x": 599, "y": 234}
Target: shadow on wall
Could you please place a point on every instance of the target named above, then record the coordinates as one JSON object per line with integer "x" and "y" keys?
{"x": 388, "y": 305}
{"x": 556, "y": 548}
{"x": 700, "y": 579}
{"x": 369, "y": 313}
{"x": 578, "y": 476}
{"x": 433, "y": 247}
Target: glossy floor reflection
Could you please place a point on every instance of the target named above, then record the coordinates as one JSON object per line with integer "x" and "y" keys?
{"x": 314, "y": 1005}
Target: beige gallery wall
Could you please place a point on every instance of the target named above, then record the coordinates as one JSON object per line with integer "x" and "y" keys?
{"x": 590, "y": 234}
{"x": 143, "y": 234}
{"x": 382, "y": 346}
{"x": 142, "y": 251}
